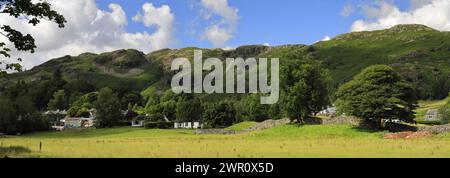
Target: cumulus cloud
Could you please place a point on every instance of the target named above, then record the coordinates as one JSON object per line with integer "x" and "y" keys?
{"x": 162, "y": 18}
{"x": 347, "y": 10}
{"x": 90, "y": 29}
{"x": 220, "y": 32}
{"x": 385, "y": 14}
{"x": 326, "y": 38}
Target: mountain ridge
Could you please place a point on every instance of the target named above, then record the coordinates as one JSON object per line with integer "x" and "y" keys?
{"x": 418, "y": 52}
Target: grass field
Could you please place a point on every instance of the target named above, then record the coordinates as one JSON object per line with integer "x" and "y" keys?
{"x": 284, "y": 141}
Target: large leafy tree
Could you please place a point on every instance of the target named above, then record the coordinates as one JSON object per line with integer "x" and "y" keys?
{"x": 59, "y": 101}
{"x": 377, "y": 93}
{"x": 251, "y": 109}
{"x": 189, "y": 109}
{"x": 307, "y": 86}
{"x": 108, "y": 108}
{"x": 445, "y": 111}
{"x": 220, "y": 114}
{"x": 33, "y": 12}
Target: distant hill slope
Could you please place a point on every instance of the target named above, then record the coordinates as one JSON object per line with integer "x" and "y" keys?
{"x": 419, "y": 53}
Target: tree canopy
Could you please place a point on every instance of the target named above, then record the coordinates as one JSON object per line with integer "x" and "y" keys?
{"x": 377, "y": 93}
{"x": 31, "y": 11}
{"x": 307, "y": 86}
{"x": 108, "y": 108}
{"x": 445, "y": 111}
{"x": 59, "y": 101}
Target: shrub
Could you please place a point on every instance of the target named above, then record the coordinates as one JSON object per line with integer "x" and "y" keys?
{"x": 445, "y": 112}
{"x": 158, "y": 125}
{"x": 154, "y": 118}
{"x": 220, "y": 114}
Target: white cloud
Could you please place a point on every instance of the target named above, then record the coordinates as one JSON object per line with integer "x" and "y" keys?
{"x": 162, "y": 18}
{"x": 90, "y": 29}
{"x": 266, "y": 44}
{"x": 347, "y": 10}
{"x": 229, "y": 48}
{"x": 222, "y": 8}
{"x": 418, "y": 3}
{"x": 326, "y": 38}
{"x": 384, "y": 14}
{"x": 219, "y": 33}
{"x": 218, "y": 36}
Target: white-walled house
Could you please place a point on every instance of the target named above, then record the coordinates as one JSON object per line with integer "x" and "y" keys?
{"x": 139, "y": 121}
{"x": 187, "y": 125}
{"x": 330, "y": 111}
{"x": 80, "y": 122}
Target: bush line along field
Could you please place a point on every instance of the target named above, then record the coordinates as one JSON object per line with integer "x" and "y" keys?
{"x": 283, "y": 141}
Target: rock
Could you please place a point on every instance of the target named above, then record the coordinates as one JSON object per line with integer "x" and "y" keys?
{"x": 341, "y": 120}
{"x": 216, "y": 131}
{"x": 260, "y": 126}
{"x": 437, "y": 129}
{"x": 268, "y": 124}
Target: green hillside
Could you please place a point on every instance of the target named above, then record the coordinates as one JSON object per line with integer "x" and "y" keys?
{"x": 419, "y": 53}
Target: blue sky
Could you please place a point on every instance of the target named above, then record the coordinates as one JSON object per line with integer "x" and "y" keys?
{"x": 274, "y": 22}
{"x": 147, "y": 25}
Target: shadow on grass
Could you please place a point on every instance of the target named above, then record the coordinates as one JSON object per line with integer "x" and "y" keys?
{"x": 365, "y": 129}
{"x": 82, "y": 132}
{"x": 13, "y": 151}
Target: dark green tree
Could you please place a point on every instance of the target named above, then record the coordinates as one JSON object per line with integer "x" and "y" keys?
{"x": 59, "y": 101}
{"x": 220, "y": 114}
{"x": 189, "y": 109}
{"x": 31, "y": 11}
{"x": 377, "y": 93}
{"x": 307, "y": 86}
{"x": 251, "y": 109}
{"x": 445, "y": 111}
{"x": 132, "y": 99}
{"x": 108, "y": 108}
{"x": 8, "y": 116}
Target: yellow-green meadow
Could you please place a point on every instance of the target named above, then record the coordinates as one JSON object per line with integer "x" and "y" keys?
{"x": 288, "y": 141}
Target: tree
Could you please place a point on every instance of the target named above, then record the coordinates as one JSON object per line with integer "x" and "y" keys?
{"x": 251, "y": 109}
{"x": 152, "y": 106}
{"x": 307, "y": 88}
{"x": 189, "y": 109}
{"x": 33, "y": 12}
{"x": 18, "y": 113}
{"x": 131, "y": 98}
{"x": 220, "y": 114}
{"x": 378, "y": 93}
{"x": 108, "y": 108}
{"x": 8, "y": 116}
{"x": 43, "y": 91}
{"x": 59, "y": 101}
{"x": 445, "y": 111}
